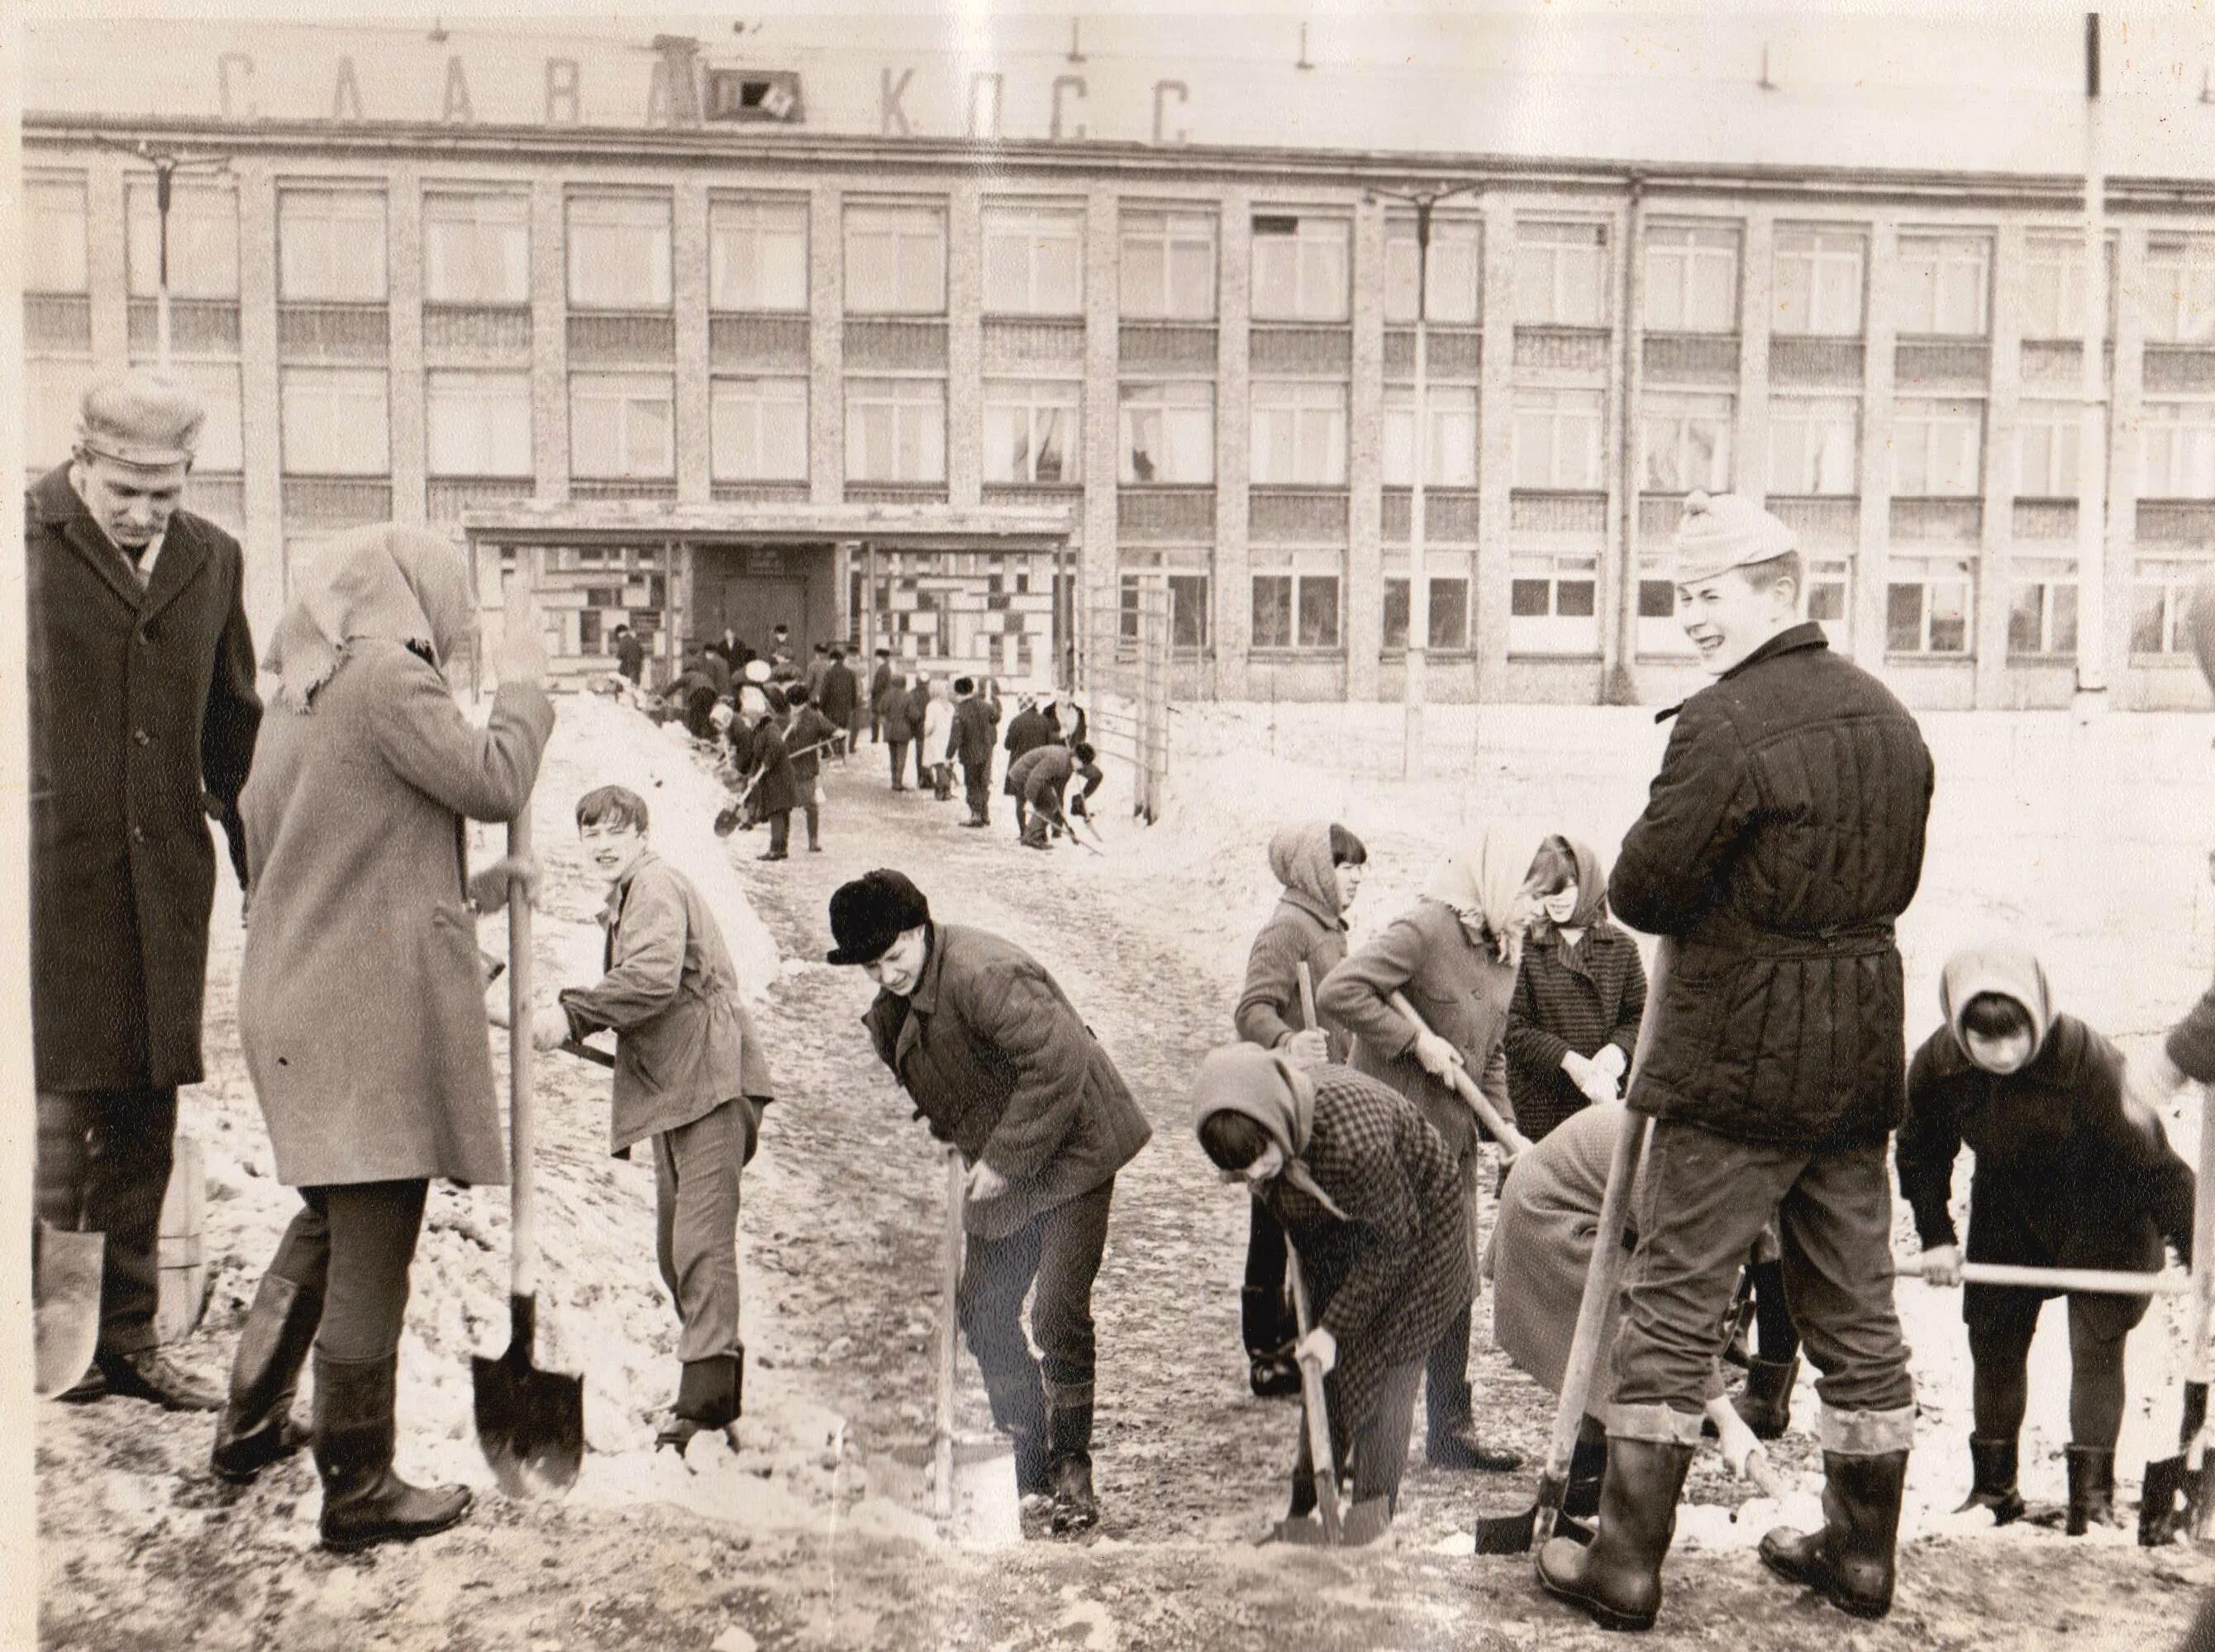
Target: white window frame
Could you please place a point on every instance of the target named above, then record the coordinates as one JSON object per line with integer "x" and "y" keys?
{"x": 1454, "y": 278}
{"x": 1174, "y": 236}
{"x": 917, "y": 418}
{"x": 1945, "y": 284}
{"x": 330, "y": 245}
{"x": 2051, "y": 583}
{"x": 1578, "y": 414}
{"x": 2177, "y": 450}
{"x": 1019, "y": 242}
{"x": 1031, "y": 406}
{"x": 1450, "y": 456}
{"x": 203, "y": 238}
{"x": 1292, "y": 419}
{"x": 1306, "y": 570}
{"x": 1827, "y": 255}
{"x": 1561, "y": 273}
{"x": 476, "y": 248}
{"x": 57, "y": 234}
{"x": 1440, "y": 569}
{"x": 1804, "y": 435}
{"x": 1924, "y": 429}
{"x": 1179, "y": 568}
{"x": 1179, "y": 407}
{"x": 2180, "y": 289}
{"x": 1929, "y": 575}
{"x": 1315, "y": 256}
{"x": 914, "y": 234}
{"x": 1692, "y": 278}
{"x": 643, "y": 406}
{"x": 1668, "y": 426}
{"x": 746, "y": 415}
{"x": 1561, "y": 631}
{"x": 741, "y": 230}
{"x": 477, "y": 423}
{"x": 2048, "y": 437}
{"x": 633, "y": 228}
{"x": 355, "y": 405}
{"x": 2172, "y": 579}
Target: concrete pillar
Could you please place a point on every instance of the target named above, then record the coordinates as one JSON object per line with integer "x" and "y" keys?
{"x": 2126, "y": 412}
{"x": 1365, "y": 469}
{"x": 1879, "y": 415}
{"x": 826, "y": 394}
{"x": 1103, "y": 429}
{"x": 1495, "y": 470}
{"x": 1234, "y": 583}
{"x": 549, "y": 340}
{"x": 404, "y": 388}
{"x": 2002, "y": 420}
{"x": 260, "y": 439}
{"x": 688, "y": 243}
{"x": 1757, "y": 306}
{"x": 106, "y": 258}
{"x": 964, "y": 346}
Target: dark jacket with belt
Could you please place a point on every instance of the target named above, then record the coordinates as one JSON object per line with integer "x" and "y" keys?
{"x": 777, "y": 792}
{"x": 1782, "y": 836}
{"x": 1578, "y": 998}
{"x": 143, "y": 721}
{"x": 839, "y": 694}
{"x": 903, "y": 719}
{"x": 976, "y": 727}
{"x": 808, "y": 738}
{"x": 999, "y": 1063}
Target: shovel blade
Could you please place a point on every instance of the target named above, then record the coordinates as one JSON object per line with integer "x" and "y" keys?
{"x": 1507, "y": 1534}
{"x": 530, "y": 1423}
{"x": 65, "y": 1317}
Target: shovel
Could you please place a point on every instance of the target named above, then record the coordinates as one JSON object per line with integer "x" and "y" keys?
{"x": 2191, "y": 1470}
{"x": 65, "y": 1320}
{"x": 1315, "y": 1414}
{"x": 1512, "y": 1140}
{"x": 1509, "y": 1534}
{"x": 530, "y": 1422}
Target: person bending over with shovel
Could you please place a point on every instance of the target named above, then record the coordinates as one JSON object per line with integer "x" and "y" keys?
{"x": 1781, "y": 838}
{"x": 1452, "y": 959}
{"x": 361, "y": 998}
{"x": 2070, "y": 1174}
{"x": 1040, "y": 777}
{"x": 1371, "y": 1200}
{"x": 690, "y": 1077}
{"x": 999, "y": 1063}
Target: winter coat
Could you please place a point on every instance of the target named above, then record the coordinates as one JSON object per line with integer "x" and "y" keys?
{"x": 1389, "y": 1276}
{"x": 1781, "y": 838}
{"x": 1070, "y": 724}
{"x": 894, "y": 706}
{"x": 685, "y": 1044}
{"x": 361, "y": 998}
{"x": 2065, "y": 1176}
{"x": 1030, "y": 729}
{"x": 838, "y": 695}
{"x": 1039, "y": 775}
{"x": 143, "y": 719}
{"x": 1541, "y": 1244}
{"x": 976, "y": 727}
{"x": 809, "y": 729}
{"x": 998, "y": 1063}
{"x": 1461, "y": 990}
{"x": 1306, "y": 928}
{"x": 2191, "y": 1042}
{"x": 716, "y": 669}
{"x": 937, "y": 725}
{"x": 918, "y": 710}
{"x": 630, "y": 656}
{"x": 881, "y": 679}
{"x": 1567, "y": 999}
{"x": 777, "y": 792}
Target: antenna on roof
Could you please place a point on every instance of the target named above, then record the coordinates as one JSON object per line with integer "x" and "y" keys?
{"x": 1764, "y": 82}
{"x": 437, "y": 31}
{"x": 1303, "y": 62}
{"x": 1077, "y": 40}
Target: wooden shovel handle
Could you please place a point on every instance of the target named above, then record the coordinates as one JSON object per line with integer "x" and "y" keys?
{"x": 522, "y": 1059}
{"x": 1315, "y": 1409}
{"x": 2095, "y": 1281}
{"x": 1467, "y": 1088}
{"x": 949, "y": 1329}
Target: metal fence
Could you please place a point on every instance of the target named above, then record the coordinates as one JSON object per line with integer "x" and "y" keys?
{"x": 1123, "y": 670}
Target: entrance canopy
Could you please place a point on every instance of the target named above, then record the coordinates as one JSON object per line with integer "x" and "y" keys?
{"x": 907, "y": 527}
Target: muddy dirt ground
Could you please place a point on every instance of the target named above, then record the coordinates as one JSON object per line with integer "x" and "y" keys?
{"x": 809, "y": 1537}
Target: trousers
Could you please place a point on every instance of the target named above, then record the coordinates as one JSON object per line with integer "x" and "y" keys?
{"x": 103, "y": 1162}
{"x": 352, "y": 1245}
{"x": 900, "y": 761}
{"x": 1268, "y": 1325}
{"x": 1704, "y": 1200}
{"x": 1059, "y": 1250}
{"x": 1377, "y": 1451}
{"x": 977, "y": 786}
{"x": 696, "y": 1223}
{"x": 2000, "y": 1332}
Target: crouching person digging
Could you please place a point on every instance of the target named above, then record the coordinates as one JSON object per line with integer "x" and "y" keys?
{"x": 1371, "y": 1201}
{"x": 999, "y": 1063}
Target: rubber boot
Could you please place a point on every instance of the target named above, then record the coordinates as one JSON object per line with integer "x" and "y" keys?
{"x": 1992, "y": 1465}
{"x": 1587, "y": 1468}
{"x": 1849, "y": 1561}
{"x": 256, "y": 1426}
{"x": 2091, "y": 1488}
{"x": 1366, "y": 1521}
{"x": 1271, "y": 1372}
{"x": 365, "y": 1503}
{"x": 2159, "y": 1521}
{"x": 1033, "y": 1472}
{"x": 1764, "y": 1404}
{"x": 1616, "y": 1579}
{"x": 1068, "y": 1453}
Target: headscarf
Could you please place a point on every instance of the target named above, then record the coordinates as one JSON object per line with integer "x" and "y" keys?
{"x": 402, "y": 584}
{"x": 1300, "y": 857}
{"x": 1485, "y": 877}
{"x": 1591, "y": 887}
{"x": 1262, "y": 1085}
{"x": 2006, "y": 967}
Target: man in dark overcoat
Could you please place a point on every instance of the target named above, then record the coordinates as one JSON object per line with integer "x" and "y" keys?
{"x": 143, "y": 717}
{"x": 1781, "y": 839}
{"x": 976, "y": 731}
{"x": 839, "y": 699}
{"x": 1000, "y": 1064}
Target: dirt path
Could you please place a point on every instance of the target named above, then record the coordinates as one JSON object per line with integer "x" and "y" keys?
{"x": 143, "y": 1550}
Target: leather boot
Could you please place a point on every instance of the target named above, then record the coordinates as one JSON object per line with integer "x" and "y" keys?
{"x": 1616, "y": 1581}
{"x": 2091, "y": 1488}
{"x": 1764, "y": 1404}
{"x": 1450, "y": 1439}
{"x": 1587, "y": 1468}
{"x": 1849, "y": 1560}
{"x": 365, "y": 1503}
{"x": 1992, "y": 1466}
{"x": 1068, "y": 1453}
{"x": 1033, "y": 1472}
{"x": 708, "y": 1397}
{"x": 1366, "y": 1521}
{"x": 256, "y": 1427}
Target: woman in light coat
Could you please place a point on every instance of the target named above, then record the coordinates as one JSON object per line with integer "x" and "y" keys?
{"x": 361, "y": 997}
{"x": 937, "y": 734}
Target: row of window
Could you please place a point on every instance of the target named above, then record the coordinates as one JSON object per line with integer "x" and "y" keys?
{"x": 334, "y": 421}
{"x": 1553, "y": 609}
{"x": 331, "y": 248}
